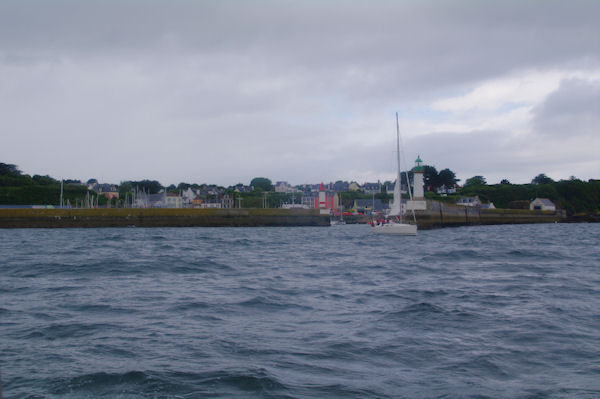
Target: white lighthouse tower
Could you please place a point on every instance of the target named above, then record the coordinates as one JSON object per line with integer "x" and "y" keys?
{"x": 418, "y": 195}
{"x": 418, "y": 192}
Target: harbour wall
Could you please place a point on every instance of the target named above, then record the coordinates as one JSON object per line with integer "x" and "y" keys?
{"x": 440, "y": 214}
{"x": 437, "y": 215}
{"x": 159, "y": 217}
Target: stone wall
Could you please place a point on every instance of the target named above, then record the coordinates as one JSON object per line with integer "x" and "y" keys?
{"x": 155, "y": 217}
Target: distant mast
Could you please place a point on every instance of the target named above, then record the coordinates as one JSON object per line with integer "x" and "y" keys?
{"x": 398, "y": 179}
{"x": 61, "y": 193}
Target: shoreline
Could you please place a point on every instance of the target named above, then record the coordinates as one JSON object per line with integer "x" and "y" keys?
{"x": 159, "y": 217}
{"x": 437, "y": 215}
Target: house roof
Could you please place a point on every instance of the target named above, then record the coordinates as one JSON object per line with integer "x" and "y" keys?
{"x": 370, "y": 186}
{"x": 544, "y": 201}
{"x": 368, "y": 203}
{"x": 106, "y": 187}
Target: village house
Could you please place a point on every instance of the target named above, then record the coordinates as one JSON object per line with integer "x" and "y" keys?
{"x": 372, "y": 188}
{"x": 241, "y": 188}
{"x": 173, "y": 201}
{"x": 224, "y": 202}
{"x": 341, "y": 186}
{"x": 108, "y": 190}
{"x": 469, "y": 201}
{"x": 284, "y": 187}
{"x": 188, "y": 196}
{"x": 542, "y": 204}
{"x": 391, "y": 186}
{"x": 443, "y": 190}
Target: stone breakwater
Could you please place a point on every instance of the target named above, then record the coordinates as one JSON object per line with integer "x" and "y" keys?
{"x": 439, "y": 214}
{"x": 156, "y": 217}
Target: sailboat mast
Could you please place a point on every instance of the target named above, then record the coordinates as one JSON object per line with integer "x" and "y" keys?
{"x": 61, "y": 192}
{"x": 398, "y": 179}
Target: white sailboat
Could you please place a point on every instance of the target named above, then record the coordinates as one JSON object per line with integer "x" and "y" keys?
{"x": 340, "y": 221}
{"x": 394, "y": 223}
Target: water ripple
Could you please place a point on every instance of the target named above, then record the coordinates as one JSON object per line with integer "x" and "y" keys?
{"x": 477, "y": 312}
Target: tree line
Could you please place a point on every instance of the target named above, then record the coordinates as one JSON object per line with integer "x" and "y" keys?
{"x": 573, "y": 195}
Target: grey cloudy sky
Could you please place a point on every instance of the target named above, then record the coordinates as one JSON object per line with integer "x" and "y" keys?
{"x": 303, "y": 91}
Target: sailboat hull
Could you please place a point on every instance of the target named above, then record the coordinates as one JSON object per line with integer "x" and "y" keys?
{"x": 401, "y": 229}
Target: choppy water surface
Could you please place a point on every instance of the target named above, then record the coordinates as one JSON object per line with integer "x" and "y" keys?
{"x": 497, "y": 311}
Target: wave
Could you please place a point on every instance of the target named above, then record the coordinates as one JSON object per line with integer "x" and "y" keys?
{"x": 149, "y": 384}
{"x": 64, "y": 331}
{"x": 266, "y": 303}
{"x": 311, "y": 312}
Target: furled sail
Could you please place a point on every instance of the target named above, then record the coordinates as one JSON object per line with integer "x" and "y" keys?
{"x": 396, "y": 208}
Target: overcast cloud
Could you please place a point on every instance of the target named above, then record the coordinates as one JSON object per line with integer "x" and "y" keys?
{"x": 221, "y": 92}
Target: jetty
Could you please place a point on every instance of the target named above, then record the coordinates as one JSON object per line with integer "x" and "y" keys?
{"x": 435, "y": 215}
{"x": 440, "y": 214}
{"x": 160, "y": 217}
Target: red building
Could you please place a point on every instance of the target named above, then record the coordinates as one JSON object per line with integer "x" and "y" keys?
{"x": 326, "y": 199}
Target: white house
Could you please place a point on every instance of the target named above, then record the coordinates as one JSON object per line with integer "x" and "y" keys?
{"x": 542, "y": 204}
{"x": 469, "y": 201}
{"x": 173, "y": 201}
{"x": 189, "y": 195}
{"x": 446, "y": 190}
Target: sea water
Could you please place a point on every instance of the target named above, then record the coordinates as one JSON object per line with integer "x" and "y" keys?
{"x": 301, "y": 312}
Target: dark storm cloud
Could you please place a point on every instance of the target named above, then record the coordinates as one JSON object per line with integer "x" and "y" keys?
{"x": 572, "y": 110}
{"x": 361, "y": 48}
{"x": 283, "y": 88}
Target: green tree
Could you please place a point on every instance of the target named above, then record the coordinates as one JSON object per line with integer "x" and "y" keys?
{"x": 124, "y": 188}
{"x": 9, "y": 169}
{"x": 542, "y": 179}
{"x": 149, "y": 186}
{"x": 183, "y": 186}
{"x": 430, "y": 177}
{"x": 475, "y": 181}
{"x": 447, "y": 178}
{"x": 45, "y": 180}
{"x": 262, "y": 183}
{"x": 11, "y": 176}
{"x": 504, "y": 181}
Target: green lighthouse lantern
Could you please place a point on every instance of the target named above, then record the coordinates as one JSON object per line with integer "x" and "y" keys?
{"x": 418, "y": 162}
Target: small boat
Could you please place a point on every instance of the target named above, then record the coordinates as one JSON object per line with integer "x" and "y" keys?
{"x": 394, "y": 223}
{"x": 395, "y": 227}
